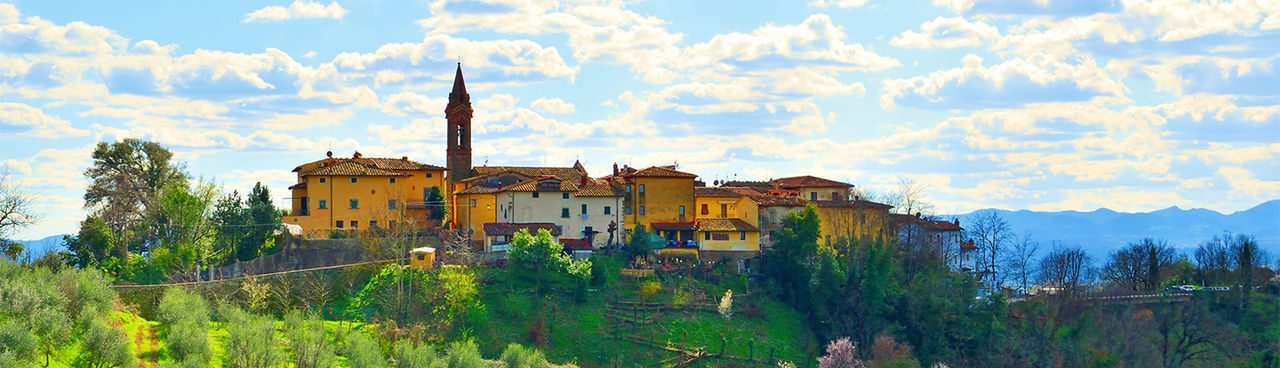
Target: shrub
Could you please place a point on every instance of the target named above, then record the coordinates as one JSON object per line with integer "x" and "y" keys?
{"x": 465, "y": 354}
{"x": 650, "y": 288}
{"x": 410, "y": 355}
{"x": 179, "y": 305}
{"x": 516, "y": 356}
{"x": 537, "y": 333}
{"x": 187, "y": 314}
{"x": 16, "y": 343}
{"x": 841, "y": 353}
{"x": 306, "y": 340}
{"x": 363, "y": 351}
{"x": 105, "y": 346}
{"x": 250, "y": 340}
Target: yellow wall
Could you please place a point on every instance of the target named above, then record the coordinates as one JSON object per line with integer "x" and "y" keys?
{"x": 823, "y": 194}
{"x": 662, "y": 200}
{"x": 738, "y": 207}
{"x": 473, "y": 216}
{"x": 735, "y": 242}
{"x": 372, "y": 193}
{"x": 845, "y": 223}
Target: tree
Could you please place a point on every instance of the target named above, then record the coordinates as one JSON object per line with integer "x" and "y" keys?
{"x": 1021, "y": 262}
{"x": 789, "y": 262}
{"x": 93, "y": 244}
{"x": 126, "y": 178}
{"x": 909, "y": 198}
{"x": 436, "y": 204}
{"x": 1140, "y": 266}
{"x": 362, "y": 350}
{"x": 841, "y": 353}
{"x": 187, "y": 315}
{"x": 250, "y": 341}
{"x": 641, "y": 244}
{"x": 888, "y": 353}
{"x": 991, "y": 233}
{"x": 1215, "y": 260}
{"x": 1067, "y": 268}
{"x": 307, "y": 342}
{"x": 542, "y": 253}
{"x": 1249, "y": 258}
{"x": 232, "y": 221}
{"x": 105, "y": 346}
{"x": 265, "y": 218}
{"x": 17, "y": 209}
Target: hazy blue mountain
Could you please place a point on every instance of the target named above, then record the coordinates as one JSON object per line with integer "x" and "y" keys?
{"x": 1103, "y": 230}
{"x": 37, "y": 248}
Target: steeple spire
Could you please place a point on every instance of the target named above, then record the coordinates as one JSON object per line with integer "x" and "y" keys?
{"x": 459, "y": 94}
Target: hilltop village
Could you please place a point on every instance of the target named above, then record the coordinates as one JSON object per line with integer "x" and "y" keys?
{"x": 733, "y": 220}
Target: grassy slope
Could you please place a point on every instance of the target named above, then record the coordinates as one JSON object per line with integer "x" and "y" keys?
{"x": 581, "y": 332}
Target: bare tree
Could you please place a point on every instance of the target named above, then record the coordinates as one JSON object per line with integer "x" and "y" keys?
{"x": 909, "y": 198}
{"x": 1020, "y": 261}
{"x": 1141, "y": 265}
{"x": 992, "y": 234}
{"x": 1249, "y": 258}
{"x": 1215, "y": 260}
{"x": 1067, "y": 268}
{"x": 17, "y": 209}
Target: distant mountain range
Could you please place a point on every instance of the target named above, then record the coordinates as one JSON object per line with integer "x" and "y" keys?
{"x": 1103, "y": 230}
{"x": 38, "y": 248}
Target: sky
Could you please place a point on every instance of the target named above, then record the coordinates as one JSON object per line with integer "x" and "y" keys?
{"x": 1044, "y": 105}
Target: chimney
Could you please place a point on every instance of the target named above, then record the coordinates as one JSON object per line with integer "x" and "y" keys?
{"x": 917, "y": 214}
{"x": 404, "y": 158}
{"x": 328, "y": 154}
{"x": 956, "y": 221}
{"x": 615, "y": 169}
{"x": 356, "y": 155}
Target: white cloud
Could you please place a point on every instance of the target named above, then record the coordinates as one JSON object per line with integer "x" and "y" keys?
{"x": 1243, "y": 180}
{"x": 514, "y": 59}
{"x": 9, "y": 14}
{"x": 843, "y": 4}
{"x": 313, "y": 118}
{"x": 958, "y": 6}
{"x": 947, "y": 33}
{"x": 817, "y": 39}
{"x": 299, "y": 9}
{"x": 552, "y": 106}
{"x": 33, "y": 121}
{"x": 1084, "y": 76}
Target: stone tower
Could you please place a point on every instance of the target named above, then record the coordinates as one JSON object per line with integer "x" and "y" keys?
{"x": 458, "y": 116}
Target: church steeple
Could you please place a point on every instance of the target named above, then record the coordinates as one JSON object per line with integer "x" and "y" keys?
{"x": 458, "y": 117}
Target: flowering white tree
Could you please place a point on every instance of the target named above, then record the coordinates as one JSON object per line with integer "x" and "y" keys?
{"x": 841, "y": 354}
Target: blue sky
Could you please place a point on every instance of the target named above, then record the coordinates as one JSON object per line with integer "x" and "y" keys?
{"x": 1045, "y": 105}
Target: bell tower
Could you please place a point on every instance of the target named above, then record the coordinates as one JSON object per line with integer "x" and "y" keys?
{"x": 458, "y": 116}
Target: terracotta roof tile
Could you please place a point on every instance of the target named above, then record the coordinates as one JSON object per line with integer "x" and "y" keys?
{"x": 660, "y": 172}
{"x": 715, "y": 192}
{"x": 508, "y": 229}
{"x": 598, "y": 190}
{"x": 384, "y": 163}
{"x": 571, "y": 174}
{"x": 724, "y": 224}
{"x": 532, "y": 186}
{"x": 858, "y": 203}
{"x": 809, "y": 181}
{"x": 349, "y": 168}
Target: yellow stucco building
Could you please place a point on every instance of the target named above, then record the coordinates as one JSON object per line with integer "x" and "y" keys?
{"x": 358, "y": 193}
{"x": 727, "y": 221}
{"x": 659, "y": 199}
{"x": 856, "y": 219}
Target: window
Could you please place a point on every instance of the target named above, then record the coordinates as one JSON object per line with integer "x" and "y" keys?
{"x": 391, "y": 224}
{"x": 608, "y": 210}
{"x": 813, "y": 196}
{"x": 353, "y": 179}
{"x": 322, "y": 180}
{"x": 641, "y": 210}
{"x": 391, "y": 204}
{"x": 681, "y": 210}
{"x": 704, "y": 209}
{"x": 564, "y": 212}
{"x": 324, "y": 204}
{"x": 724, "y": 210}
{"x": 628, "y": 210}
{"x": 835, "y": 196}
{"x": 428, "y": 175}
{"x": 628, "y": 188}
{"x": 641, "y": 189}
{"x": 355, "y": 203}
{"x": 706, "y": 236}
{"x": 355, "y": 224}
{"x": 535, "y": 194}
{"x": 338, "y": 224}
{"x": 564, "y": 195}
{"x": 373, "y": 223}
{"x": 422, "y": 257}
{"x": 742, "y": 235}
{"x": 391, "y": 180}
{"x": 473, "y": 203}
{"x": 584, "y": 209}
{"x": 862, "y": 217}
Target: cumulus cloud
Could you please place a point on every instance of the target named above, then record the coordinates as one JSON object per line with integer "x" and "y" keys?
{"x": 484, "y": 61}
{"x": 843, "y": 4}
{"x": 28, "y": 120}
{"x": 1011, "y": 83}
{"x": 552, "y": 105}
{"x": 816, "y": 40}
{"x": 299, "y": 9}
{"x": 947, "y": 33}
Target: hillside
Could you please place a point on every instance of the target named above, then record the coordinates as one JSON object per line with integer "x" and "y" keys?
{"x": 1103, "y": 230}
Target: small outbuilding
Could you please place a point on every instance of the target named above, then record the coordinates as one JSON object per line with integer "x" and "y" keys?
{"x": 422, "y": 258}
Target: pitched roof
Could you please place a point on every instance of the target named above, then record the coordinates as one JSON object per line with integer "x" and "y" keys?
{"x": 768, "y": 200}
{"x": 302, "y": 185}
{"x": 809, "y": 181}
{"x": 385, "y": 163}
{"x": 715, "y": 192}
{"x": 594, "y": 189}
{"x": 532, "y": 185}
{"x": 724, "y": 224}
{"x": 660, "y": 172}
{"x": 673, "y": 226}
{"x": 858, "y": 203}
{"x": 563, "y": 173}
{"x": 946, "y": 226}
{"x": 349, "y": 168}
{"x": 509, "y": 228}
{"x": 480, "y": 190}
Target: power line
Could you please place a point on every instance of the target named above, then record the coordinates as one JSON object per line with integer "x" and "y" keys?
{"x": 191, "y": 283}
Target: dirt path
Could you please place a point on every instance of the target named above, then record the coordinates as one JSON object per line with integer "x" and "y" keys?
{"x": 144, "y": 338}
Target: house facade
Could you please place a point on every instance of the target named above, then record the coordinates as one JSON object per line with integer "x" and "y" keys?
{"x": 583, "y": 212}
{"x": 359, "y": 193}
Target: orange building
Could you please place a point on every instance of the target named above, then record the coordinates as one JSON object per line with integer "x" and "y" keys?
{"x": 360, "y": 193}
